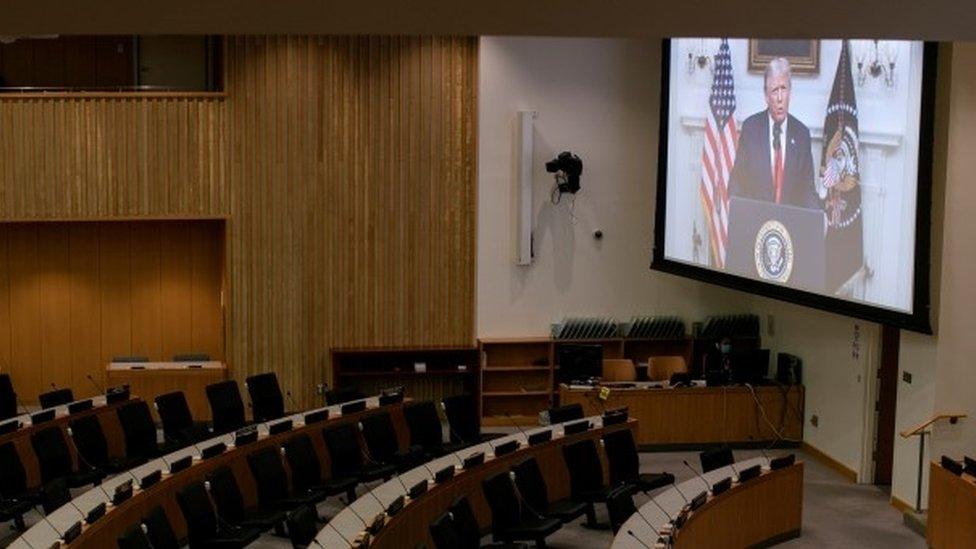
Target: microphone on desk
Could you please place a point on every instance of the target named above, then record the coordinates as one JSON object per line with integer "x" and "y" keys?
{"x": 517, "y": 426}
{"x": 631, "y": 534}
{"x": 292, "y": 401}
{"x": 402, "y": 485}
{"x": 682, "y": 494}
{"x": 705, "y": 482}
{"x": 53, "y": 527}
{"x": 660, "y": 537}
{"x": 358, "y": 516}
{"x": 667, "y": 514}
{"x": 98, "y": 388}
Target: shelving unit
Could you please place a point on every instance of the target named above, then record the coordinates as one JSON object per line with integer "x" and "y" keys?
{"x": 372, "y": 369}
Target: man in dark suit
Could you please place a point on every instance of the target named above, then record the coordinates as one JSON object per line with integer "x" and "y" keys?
{"x": 774, "y": 160}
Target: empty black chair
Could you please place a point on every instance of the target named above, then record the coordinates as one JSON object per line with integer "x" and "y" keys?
{"x": 138, "y": 430}
{"x": 159, "y": 530}
{"x": 381, "y": 443}
{"x": 585, "y": 475}
{"x": 202, "y": 526}
{"x": 510, "y": 521}
{"x": 467, "y": 528}
{"x": 226, "y": 495}
{"x": 178, "y": 425}
{"x": 54, "y": 494}
{"x": 13, "y": 476}
{"x": 272, "y": 483}
{"x": 464, "y": 420}
{"x": 54, "y": 458}
{"x": 306, "y": 470}
{"x": 716, "y": 458}
{"x": 534, "y": 491}
{"x": 426, "y": 430}
{"x": 267, "y": 402}
{"x": 302, "y": 527}
{"x": 8, "y": 398}
{"x": 347, "y": 457}
{"x": 226, "y": 406}
{"x": 444, "y": 532}
{"x": 620, "y": 506}
{"x": 134, "y": 538}
{"x": 343, "y": 395}
{"x": 56, "y": 397}
{"x": 191, "y": 357}
{"x": 89, "y": 440}
{"x": 569, "y": 412}
{"x": 624, "y": 463}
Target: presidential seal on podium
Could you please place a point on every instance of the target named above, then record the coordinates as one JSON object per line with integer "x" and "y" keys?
{"x": 774, "y": 252}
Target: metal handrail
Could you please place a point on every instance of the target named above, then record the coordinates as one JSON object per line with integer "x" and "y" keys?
{"x": 921, "y": 430}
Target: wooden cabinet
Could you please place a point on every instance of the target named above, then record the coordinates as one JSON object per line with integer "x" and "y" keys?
{"x": 447, "y": 370}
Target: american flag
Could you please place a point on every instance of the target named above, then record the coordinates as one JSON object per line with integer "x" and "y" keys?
{"x": 718, "y": 153}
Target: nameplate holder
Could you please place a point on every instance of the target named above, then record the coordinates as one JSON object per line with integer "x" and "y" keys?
{"x": 72, "y": 532}
{"x": 280, "y": 427}
{"x": 150, "y": 479}
{"x": 317, "y": 416}
{"x": 80, "y": 406}
{"x": 782, "y": 462}
{"x": 10, "y": 426}
{"x": 213, "y": 451}
{"x": 540, "y": 437}
{"x": 418, "y": 489}
{"x": 117, "y": 394}
{"x": 444, "y": 474}
{"x": 721, "y": 486}
{"x": 353, "y": 407}
{"x": 96, "y": 513}
{"x": 506, "y": 448}
{"x": 122, "y": 493}
{"x": 42, "y": 417}
{"x": 180, "y": 464}
{"x": 576, "y": 427}
{"x": 395, "y": 506}
{"x": 473, "y": 460}
{"x": 245, "y": 436}
{"x": 749, "y": 473}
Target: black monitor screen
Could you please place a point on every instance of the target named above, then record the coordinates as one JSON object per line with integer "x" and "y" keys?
{"x": 580, "y": 362}
{"x": 750, "y": 366}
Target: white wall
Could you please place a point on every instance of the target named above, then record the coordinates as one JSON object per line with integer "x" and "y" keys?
{"x": 599, "y": 99}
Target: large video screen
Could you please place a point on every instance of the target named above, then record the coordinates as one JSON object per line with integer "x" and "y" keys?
{"x": 800, "y": 169}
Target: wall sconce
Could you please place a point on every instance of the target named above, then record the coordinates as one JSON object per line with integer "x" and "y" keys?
{"x": 878, "y": 63}
{"x": 699, "y": 58}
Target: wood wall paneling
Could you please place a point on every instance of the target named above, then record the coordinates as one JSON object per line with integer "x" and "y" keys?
{"x": 345, "y": 170}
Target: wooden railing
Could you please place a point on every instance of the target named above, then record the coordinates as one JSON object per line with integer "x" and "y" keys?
{"x": 921, "y": 430}
{"x": 953, "y": 418}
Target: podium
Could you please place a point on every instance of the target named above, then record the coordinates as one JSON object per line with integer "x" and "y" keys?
{"x": 151, "y": 379}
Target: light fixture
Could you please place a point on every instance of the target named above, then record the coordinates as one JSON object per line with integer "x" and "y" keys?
{"x": 699, "y": 58}
{"x": 876, "y": 62}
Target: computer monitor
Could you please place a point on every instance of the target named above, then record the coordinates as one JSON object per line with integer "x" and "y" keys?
{"x": 580, "y": 362}
{"x": 750, "y": 366}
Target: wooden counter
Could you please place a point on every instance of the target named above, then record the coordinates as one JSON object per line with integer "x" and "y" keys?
{"x": 151, "y": 379}
{"x": 700, "y": 415}
{"x": 952, "y": 506}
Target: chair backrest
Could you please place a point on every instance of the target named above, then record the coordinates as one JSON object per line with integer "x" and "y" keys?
{"x": 716, "y": 458}
{"x": 585, "y": 469}
{"x": 619, "y": 369}
{"x": 444, "y": 532}
{"x": 226, "y": 494}
{"x": 569, "y": 412}
{"x": 341, "y": 395}
{"x": 620, "y": 506}
{"x": 306, "y": 469}
{"x": 198, "y": 512}
{"x": 191, "y": 357}
{"x": 159, "y": 530}
{"x": 8, "y": 398}
{"x": 502, "y": 500}
{"x": 52, "y": 452}
{"x": 623, "y": 460}
{"x": 174, "y": 412}
{"x": 531, "y": 483}
{"x": 138, "y": 429}
{"x": 345, "y": 454}
{"x": 89, "y": 439}
{"x": 424, "y": 424}
{"x": 56, "y": 397}
{"x": 379, "y": 436}
{"x": 302, "y": 527}
{"x": 661, "y": 368}
{"x": 267, "y": 402}
{"x": 54, "y": 494}
{"x": 226, "y": 406}
{"x": 134, "y": 538}
{"x": 13, "y": 476}
{"x": 462, "y": 415}
{"x": 469, "y": 532}
{"x": 269, "y": 475}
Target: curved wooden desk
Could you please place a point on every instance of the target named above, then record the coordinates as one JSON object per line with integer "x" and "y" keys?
{"x": 760, "y": 512}
{"x": 408, "y": 528}
{"x": 952, "y": 505}
{"x": 106, "y": 530}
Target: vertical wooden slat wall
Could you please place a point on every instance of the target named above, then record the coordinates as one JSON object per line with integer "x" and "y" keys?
{"x": 345, "y": 167}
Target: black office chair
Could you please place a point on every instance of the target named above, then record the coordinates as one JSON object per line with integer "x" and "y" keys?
{"x": 202, "y": 527}
{"x": 54, "y": 458}
{"x": 716, "y": 458}
{"x": 134, "y": 538}
{"x": 444, "y": 532}
{"x": 620, "y": 506}
{"x": 8, "y": 398}
{"x": 138, "y": 430}
{"x": 346, "y": 456}
{"x": 381, "y": 443}
{"x": 469, "y": 531}
{"x": 17, "y": 499}
{"x": 562, "y": 414}
{"x": 159, "y": 530}
{"x": 226, "y": 495}
{"x": 585, "y": 476}
{"x": 302, "y": 526}
{"x": 623, "y": 462}
{"x": 343, "y": 395}
{"x": 178, "y": 425}
{"x": 464, "y": 420}
{"x": 267, "y": 402}
{"x": 272, "y": 483}
{"x": 510, "y": 520}
{"x": 56, "y": 397}
{"x": 226, "y": 406}
{"x": 306, "y": 470}
{"x": 426, "y": 430}
{"x": 54, "y": 494}
{"x": 89, "y": 439}
{"x": 533, "y": 489}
